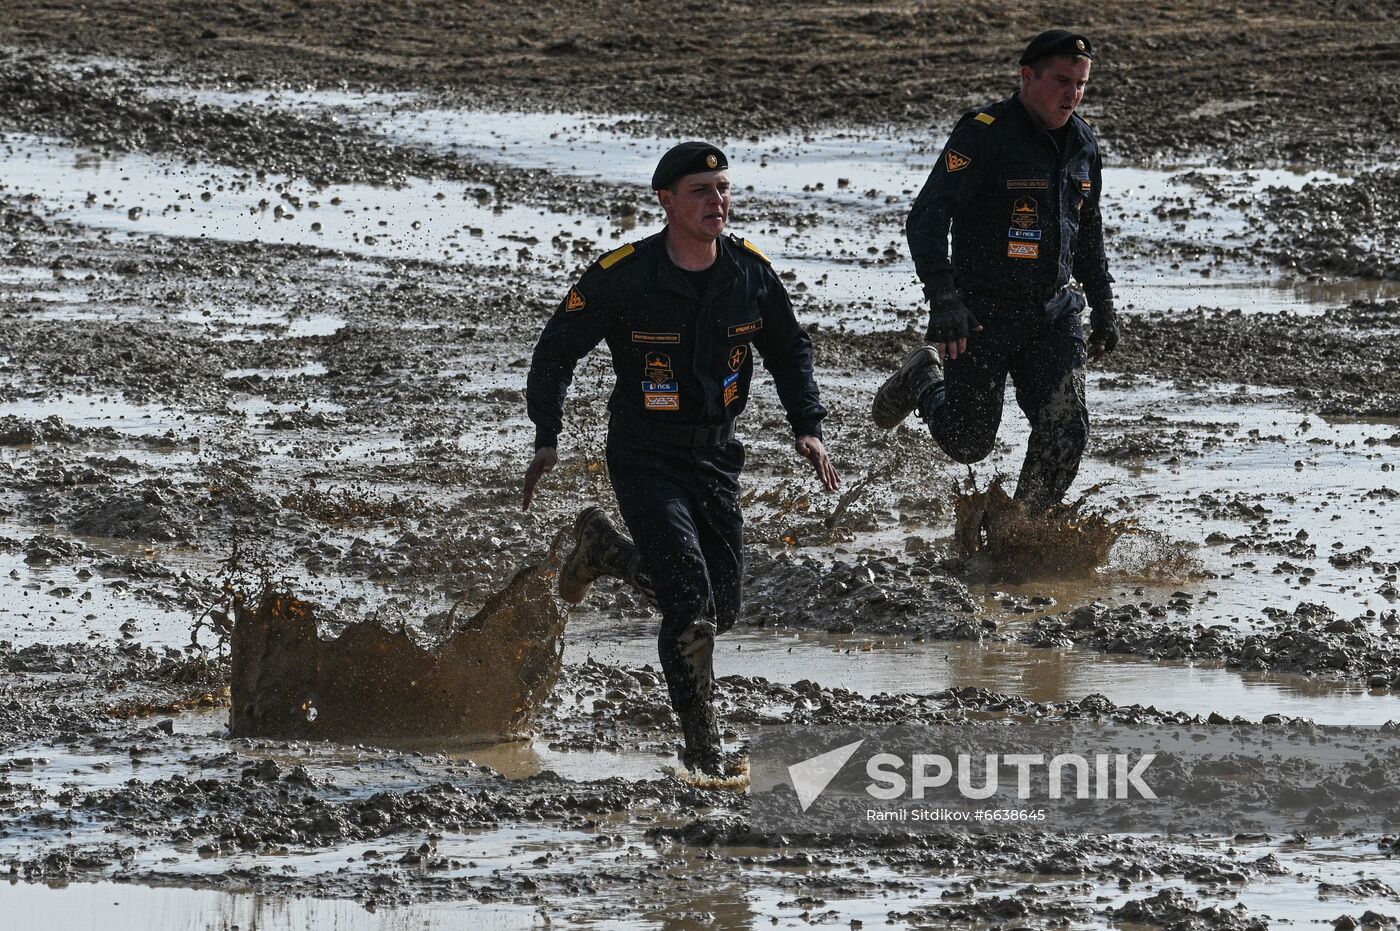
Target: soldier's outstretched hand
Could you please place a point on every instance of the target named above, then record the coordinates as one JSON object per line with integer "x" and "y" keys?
{"x": 546, "y": 458}
{"x": 814, "y": 451}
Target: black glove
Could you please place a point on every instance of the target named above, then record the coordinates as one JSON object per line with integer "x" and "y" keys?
{"x": 949, "y": 320}
{"x": 1103, "y": 337}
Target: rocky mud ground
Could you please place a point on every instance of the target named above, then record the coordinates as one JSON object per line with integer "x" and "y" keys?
{"x": 269, "y": 279}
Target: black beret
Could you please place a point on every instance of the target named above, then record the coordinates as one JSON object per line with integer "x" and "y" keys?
{"x": 686, "y": 159}
{"x": 1057, "y": 42}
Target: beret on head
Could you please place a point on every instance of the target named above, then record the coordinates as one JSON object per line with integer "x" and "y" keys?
{"x": 1057, "y": 42}
{"x": 688, "y": 158}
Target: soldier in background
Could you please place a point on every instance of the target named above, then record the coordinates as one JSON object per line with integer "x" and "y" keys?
{"x": 1019, "y": 183}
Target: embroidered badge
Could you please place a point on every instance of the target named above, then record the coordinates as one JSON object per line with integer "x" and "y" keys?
{"x": 1027, "y": 184}
{"x": 1023, "y": 250}
{"x": 731, "y": 389}
{"x": 658, "y": 367}
{"x": 737, "y": 355}
{"x": 1032, "y": 235}
{"x": 1025, "y": 213}
{"x": 956, "y": 161}
{"x": 753, "y": 326}
{"x": 575, "y": 301}
{"x": 661, "y": 395}
{"x": 662, "y": 402}
{"x": 639, "y": 337}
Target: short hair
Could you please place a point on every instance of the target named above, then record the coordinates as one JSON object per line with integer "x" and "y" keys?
{"x": 1040, "y": 64}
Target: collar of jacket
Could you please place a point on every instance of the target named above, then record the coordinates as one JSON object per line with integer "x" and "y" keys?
{"x": 669, "y": 276}
{"x": 1076, "y": 124}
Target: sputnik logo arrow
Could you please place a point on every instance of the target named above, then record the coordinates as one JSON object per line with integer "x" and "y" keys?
{"x": 811, "y": 777}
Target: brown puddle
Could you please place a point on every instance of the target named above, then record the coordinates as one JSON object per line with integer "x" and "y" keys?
{"x": 998, "y": 536}
{"x": 484, "y": 681}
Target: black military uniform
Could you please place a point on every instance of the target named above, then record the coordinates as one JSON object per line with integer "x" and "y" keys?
{"x": 1023, "y": 204}
{"x": 684, "y": 362}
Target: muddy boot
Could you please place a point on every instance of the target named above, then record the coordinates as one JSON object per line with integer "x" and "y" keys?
{"x": 900, "y": 393}
{"x": 687, "y": 661}
{"x": 703, "y": 752}
{"x": 599, "y": 550}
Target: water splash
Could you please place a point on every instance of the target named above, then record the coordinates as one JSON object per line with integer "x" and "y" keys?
{"x": 485, "y": 679}
{"x": 999, "y": 538}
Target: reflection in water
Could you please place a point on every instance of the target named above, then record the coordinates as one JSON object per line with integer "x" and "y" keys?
{"x": 522, "y": 759}
{"x": 724, "y": 907}
{"x": 123, "y": 907}
{"x": 1035, "y": 673}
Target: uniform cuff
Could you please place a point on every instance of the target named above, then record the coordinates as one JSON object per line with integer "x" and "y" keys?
{"x": 545, "y": 438}
{"x": 1100, "y": 297}
{"x": 937, "y": 287}
{"x": 808, "y": 429}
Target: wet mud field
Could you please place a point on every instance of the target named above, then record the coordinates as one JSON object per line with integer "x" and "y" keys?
{"x": 268, "y": 290}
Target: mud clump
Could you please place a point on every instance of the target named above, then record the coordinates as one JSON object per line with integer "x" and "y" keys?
{"x": 17, "y": 431}
{"x": 484, "y": 681}
{"x": 1338, "y": 228}
{"x": 1026, "y": 905}
{"x": 883, "y": 596}
{"x": 1313, "y": 640}
{"x": 998, "y": 537}
{"x": 150, "y": 511}
{"x": 1171, "y": 908}
{"x": 1349, "y": 369}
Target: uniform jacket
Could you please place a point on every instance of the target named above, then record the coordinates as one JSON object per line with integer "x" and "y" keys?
{"x": 1024, "y": 215}
{"x": 678, "y": 359}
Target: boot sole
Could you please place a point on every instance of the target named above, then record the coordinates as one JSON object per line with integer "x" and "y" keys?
{"x": 886, "y": 415}
{"x": 574, "y": 593}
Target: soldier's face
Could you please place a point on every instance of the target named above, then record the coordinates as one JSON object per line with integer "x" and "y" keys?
{"x": 1052, "y": 97}
{"x": 699, "y": 205}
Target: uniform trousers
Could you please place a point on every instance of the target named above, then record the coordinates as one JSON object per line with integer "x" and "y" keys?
{"x": 681, "y": 507}
{"x": 1045, "y": 359}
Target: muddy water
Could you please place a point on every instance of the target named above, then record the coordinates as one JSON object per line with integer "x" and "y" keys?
{"x": 1246, "y": 448}
{"x": 871, "y": 667}
{"x": 1166, "y": 446}
{"x": 830, "y": 181}
{"x": 485, "y": 680}
{"x": 442, "y": 221}
{"x": 126, "y": 907}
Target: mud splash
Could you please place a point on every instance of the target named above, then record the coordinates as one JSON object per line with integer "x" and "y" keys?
{"x": 999, "y": 538}
{"x": 484, "y": 681}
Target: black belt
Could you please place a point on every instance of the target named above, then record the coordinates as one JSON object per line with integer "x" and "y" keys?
{"x": 1000, "y": 301}
{"x": 672, "y": 434}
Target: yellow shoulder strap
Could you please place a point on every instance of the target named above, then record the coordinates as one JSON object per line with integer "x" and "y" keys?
{"x": 617, "y": 255}
{"x": 757, "y": 251}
